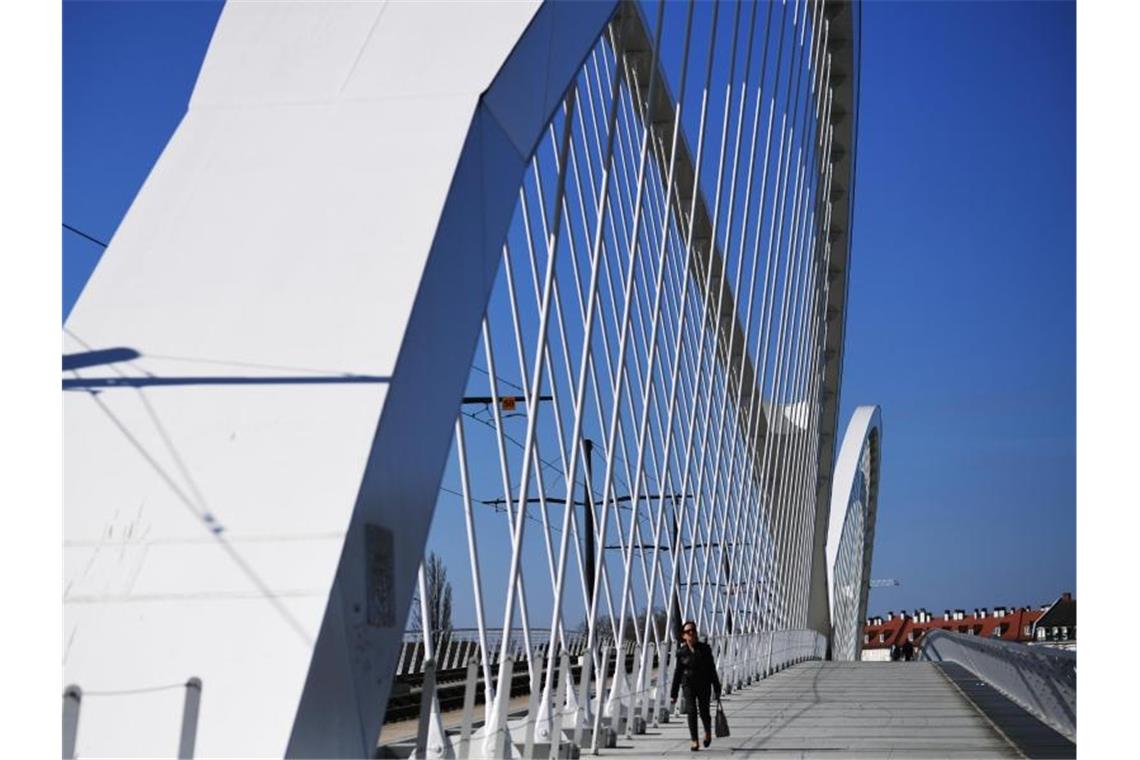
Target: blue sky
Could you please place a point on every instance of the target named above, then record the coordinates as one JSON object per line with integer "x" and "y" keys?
{"x": 962, "y": 294}
{"x": 962, "y": 319}
{"x": 128, "y": 70}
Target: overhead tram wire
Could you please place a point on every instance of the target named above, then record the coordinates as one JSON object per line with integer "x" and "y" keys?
{"x": 494, "y": 504}
{"x": 516, "y": 386}
{"x": 546, "y": 463}
{"x": 83, "y": 234}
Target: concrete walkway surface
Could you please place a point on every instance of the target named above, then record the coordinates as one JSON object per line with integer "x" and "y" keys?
{"x": 840, "y": 710}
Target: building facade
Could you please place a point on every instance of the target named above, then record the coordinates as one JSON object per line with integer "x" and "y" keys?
{"x": 1050, "y": 624}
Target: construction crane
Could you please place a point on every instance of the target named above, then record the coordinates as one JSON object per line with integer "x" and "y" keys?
{"x": 884, "y": 582}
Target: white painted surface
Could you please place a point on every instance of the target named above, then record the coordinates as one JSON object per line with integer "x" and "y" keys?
{"x": 865, "y": 421}
{"x": 281, "y": 236}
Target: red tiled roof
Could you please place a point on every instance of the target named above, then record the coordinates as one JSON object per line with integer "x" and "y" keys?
{"x": 897, "y": 631}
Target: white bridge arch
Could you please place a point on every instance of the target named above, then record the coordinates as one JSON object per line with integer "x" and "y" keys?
{"x": 263, "y": 373}
{"x": 851, "y": 532}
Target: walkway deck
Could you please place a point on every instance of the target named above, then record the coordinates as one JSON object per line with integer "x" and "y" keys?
{"x": 833, "y": 709}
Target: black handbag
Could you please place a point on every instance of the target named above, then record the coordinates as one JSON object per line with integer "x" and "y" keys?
{"x": 721, "y": 721}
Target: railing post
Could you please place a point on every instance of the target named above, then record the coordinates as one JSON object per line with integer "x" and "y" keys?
{"x": 536, "y": 673}
{"x": 730, "y": 661}
{"x": 190, "y": 718}
{"x": 425, "y": 708}
{"x": 502, "y": 736}
{"x": 449, "y": 658}
{"x": 601, "y": 696}
{"x": 72, "y": 696}
{"x": 634, "y": 692}
{"x": 586, "y": 667}
{"x": 564, "y": 686}
{"x": 400, "y": 662}
{"x": 660, "y": 711}
{"x": 431, "y": 739}
{"x": 468, "y": 708}
{"x": 650, "y": 697}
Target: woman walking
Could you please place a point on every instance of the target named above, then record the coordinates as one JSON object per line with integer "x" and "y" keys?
{"x": 696, "y": 672}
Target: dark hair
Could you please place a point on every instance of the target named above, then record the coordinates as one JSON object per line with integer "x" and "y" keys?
{"x": 687, "y": 624}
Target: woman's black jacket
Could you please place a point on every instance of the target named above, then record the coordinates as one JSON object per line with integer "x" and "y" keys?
{"x": 696, "y": 671}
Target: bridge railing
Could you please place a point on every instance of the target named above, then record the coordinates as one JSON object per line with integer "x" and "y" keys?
{"x": 1043, "y": 680}
{"x": 458, "y": 645}
{"x": 580, "y": 713}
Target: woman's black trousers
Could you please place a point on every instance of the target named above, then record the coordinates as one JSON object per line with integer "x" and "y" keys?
{"x": 699, "y": 699}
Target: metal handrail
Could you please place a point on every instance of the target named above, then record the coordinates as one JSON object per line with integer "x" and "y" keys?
{"x": 741, "y": 660}
{"x": 1041, "y": 679}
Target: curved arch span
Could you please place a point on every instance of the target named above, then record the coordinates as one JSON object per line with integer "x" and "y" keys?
{"x": 851, "y": 530}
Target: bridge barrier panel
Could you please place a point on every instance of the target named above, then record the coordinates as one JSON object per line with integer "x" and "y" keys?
{"x": 1041, "y": 679}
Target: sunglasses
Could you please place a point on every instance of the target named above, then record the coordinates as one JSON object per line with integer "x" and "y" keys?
{"x": 692, "y": 631}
